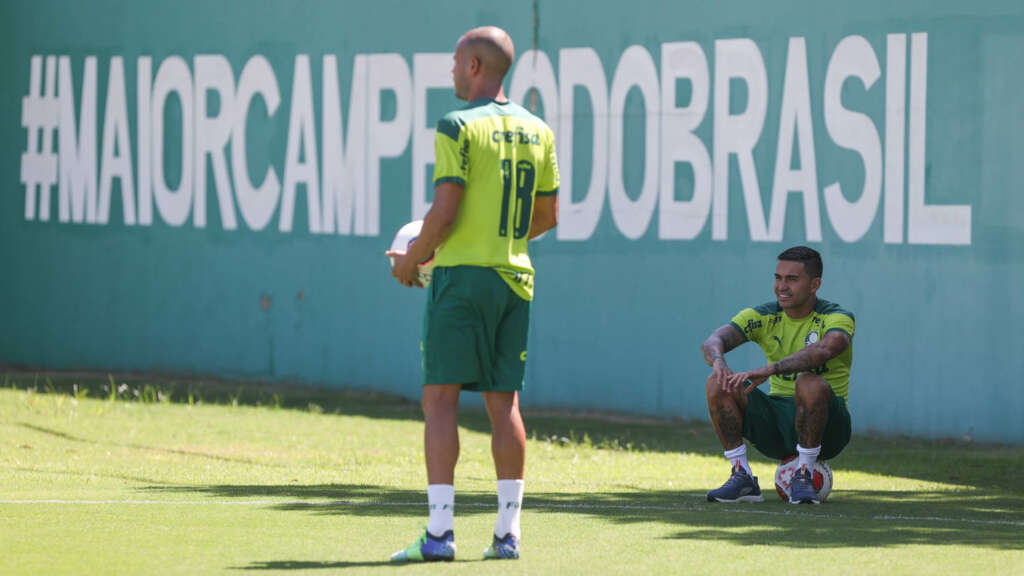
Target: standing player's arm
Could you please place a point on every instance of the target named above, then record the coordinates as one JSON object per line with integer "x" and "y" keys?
{"x": 715, "y": 347}
{"x": 545, "y": 215}
{"x": 436, "y": 226}
{"x": 807, "y": 358}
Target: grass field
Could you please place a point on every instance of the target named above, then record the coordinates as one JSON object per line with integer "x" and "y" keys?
{"x": 158, "y": 477}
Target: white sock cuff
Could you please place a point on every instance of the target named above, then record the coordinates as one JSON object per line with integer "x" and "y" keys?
{"x": 510, "y": 490}
{"x": 809, "y": 451}
{"x": 441, "y": 501}
{"x": 737, "y": 452}
{"x": 441, "y": 493}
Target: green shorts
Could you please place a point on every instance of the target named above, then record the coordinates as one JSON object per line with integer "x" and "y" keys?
{"x": 474, "y": 330}
{"x": 770, "y": 425}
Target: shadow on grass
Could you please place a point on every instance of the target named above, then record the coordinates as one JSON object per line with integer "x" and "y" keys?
{"x": 602, "y": 431}
{"x": 850, "y": 519}
{"x": 177, "y": 451}
{"x": 85, "y": 475}
{"x": 987, "y": 467}
{"x": 310, "y": 565}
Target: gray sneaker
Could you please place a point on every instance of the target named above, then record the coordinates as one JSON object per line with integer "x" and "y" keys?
{"x": 802, "y": 491}
{"x": 740, "y": 487}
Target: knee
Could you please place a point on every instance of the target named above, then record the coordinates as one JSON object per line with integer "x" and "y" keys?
{"x": 811, "y": 388}
{"x": 438, "y": 400}
{"x": 501, "y": 406}
{"x": 714, "y": 390}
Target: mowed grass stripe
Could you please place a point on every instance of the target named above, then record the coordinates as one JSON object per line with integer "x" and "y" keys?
{"x": 743, "y": 509}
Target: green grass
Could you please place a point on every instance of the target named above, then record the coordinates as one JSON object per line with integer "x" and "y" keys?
{"x": 163, "y": 477}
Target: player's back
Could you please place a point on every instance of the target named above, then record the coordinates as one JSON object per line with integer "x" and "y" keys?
{"x": 503, "y": 156}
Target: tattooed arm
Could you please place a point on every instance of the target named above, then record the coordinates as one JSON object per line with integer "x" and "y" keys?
{"x": 721, "y": 341}
{"x": 807, "y": 358}
{"x": 813, "y": 355}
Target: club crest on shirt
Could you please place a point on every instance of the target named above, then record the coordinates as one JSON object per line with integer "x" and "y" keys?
{"x": 811, "y": 337}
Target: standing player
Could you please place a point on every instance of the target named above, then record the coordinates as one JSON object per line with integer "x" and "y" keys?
{"x": 495, "y": 187}
{"x": 807, "y": 342}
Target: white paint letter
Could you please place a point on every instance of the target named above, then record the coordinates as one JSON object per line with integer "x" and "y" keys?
{"x": 77, "y": 190}
{"x": 301, "y": 138}
{"x": 635, "y": 68}
{"x": 683, "y": 220}
{"x": 256, "y": 204}
{"x": 796, "y": 119}
{"x": 853, "y": 57}
{"x": 738, "y": 134}
{"x": 213, "y": 72}
{"x": 895, "y": 124}
{"x": 144, "y": 101}
{"x": 344, "y": 168}
{"x": 429, "y": 71}
{"x": 581, "y": 67}
{"x": 386, "y": 139}
{"x": 173, "y": 76}
{"x": 117, "y": 148}
{"x": 949, "y": 225}
{"x": 39, "y": 172}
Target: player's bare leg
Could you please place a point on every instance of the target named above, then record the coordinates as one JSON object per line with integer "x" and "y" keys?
{"x": 508, "y": 447}
{"x": 508, "y": 435}
{"x": 441, "y": 431}
{"x": 441, "y": 447}
{"x": 811, "y": 397}
{"x": 727, "y": 410}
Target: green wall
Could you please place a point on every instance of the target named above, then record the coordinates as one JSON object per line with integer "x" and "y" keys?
{"x": 208, "y": 188}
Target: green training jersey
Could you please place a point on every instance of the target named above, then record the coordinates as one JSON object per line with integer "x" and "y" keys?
{"x": 504, "y": 157}
{"x": 779, "y": 336}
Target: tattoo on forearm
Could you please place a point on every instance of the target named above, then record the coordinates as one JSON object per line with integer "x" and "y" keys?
{"x": 723, "y": 340}
{"x": 810, "y": 357}
{"x": 712, "y": 353}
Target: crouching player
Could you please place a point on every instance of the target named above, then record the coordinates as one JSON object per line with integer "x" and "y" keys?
{"x": 807, "y": 343}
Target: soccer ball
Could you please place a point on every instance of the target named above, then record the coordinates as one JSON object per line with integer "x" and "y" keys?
{"x": 822, "y": 477}
{"x": 403, "y": 239}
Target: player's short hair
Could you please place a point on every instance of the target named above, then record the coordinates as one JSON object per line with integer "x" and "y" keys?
{"x": 809, "y": 257}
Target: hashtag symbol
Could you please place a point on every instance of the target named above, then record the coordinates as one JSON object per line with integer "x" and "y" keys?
{"x": 39, "y": 115}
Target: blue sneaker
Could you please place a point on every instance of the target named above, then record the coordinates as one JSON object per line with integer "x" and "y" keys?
{"x": 740, "y": 487}
{"x": 428, "y": 548}
{"x": 506, "y": 548}
{"x": 802, "y": 491}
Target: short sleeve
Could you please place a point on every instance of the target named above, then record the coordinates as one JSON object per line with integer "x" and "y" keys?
{"x": 842, "y": 322}
{"x": 451, "y": 152}
{"x": 549, "y": 179}
{"x": 749, "y": 323}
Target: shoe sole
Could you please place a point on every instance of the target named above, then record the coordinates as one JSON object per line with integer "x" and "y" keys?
{"x": 496, "y": 557}
{"x": 425, "y": 559}
{"x": 740, "y": 499}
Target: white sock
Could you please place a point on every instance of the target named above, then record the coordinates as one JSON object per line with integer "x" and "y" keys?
{"x": 441, "y": 498}
{"x": 510, "y": 500}
{"x": 808, "y": 456}
{"x": 739, "y": 456}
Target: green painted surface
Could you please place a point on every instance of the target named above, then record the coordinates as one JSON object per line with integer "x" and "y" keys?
{"x": 912, "y": 108}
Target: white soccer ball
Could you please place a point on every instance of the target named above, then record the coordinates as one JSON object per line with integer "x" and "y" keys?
{"x": 822, "y": 477}
{"x": 403, "y": 240}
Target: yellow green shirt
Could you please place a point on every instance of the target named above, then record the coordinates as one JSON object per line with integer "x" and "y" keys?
{"x": 504, "y": 157}
{"x": 779, "y": 336}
